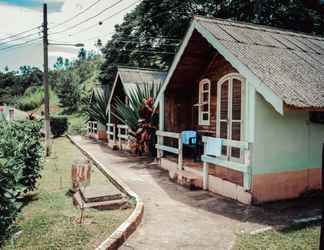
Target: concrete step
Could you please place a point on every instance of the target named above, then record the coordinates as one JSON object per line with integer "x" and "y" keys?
{"x": 100, "y": 193}
{"x": 189, "y": 179}
{"x": 100, "y": 205}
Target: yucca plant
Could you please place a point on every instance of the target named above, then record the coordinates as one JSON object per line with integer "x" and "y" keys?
{"x": 97, "y": 110}
{"x": 132, "y": 112}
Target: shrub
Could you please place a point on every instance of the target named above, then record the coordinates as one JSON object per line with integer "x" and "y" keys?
{"x": 20, "y": 145}
{"x": 32, "y": 99}
{"x": 59, "y": 125}
{"x": 8, "y": 205}
{"x": 20, "y": 166}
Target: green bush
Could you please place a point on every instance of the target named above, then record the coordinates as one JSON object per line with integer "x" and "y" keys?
{"x": 32, "y": 99}
{"x": 59, "y": 125}
{"x": 8, "y": 205}
{"x": 20, "y": 166}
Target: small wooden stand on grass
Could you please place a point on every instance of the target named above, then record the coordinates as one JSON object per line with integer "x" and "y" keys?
{"x": 81, "y": 176}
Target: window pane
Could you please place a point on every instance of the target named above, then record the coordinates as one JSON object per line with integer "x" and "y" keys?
{"x": 235, "y": 152}
{"x": 224, "y": 101}
{"x": 237, "y": 98}
{"x": 205, "y": 97}
{"x": 224, "y": 150}
{"x": 223, "y": 130}
{"x": 236, "y": 131}
{"x": 205, "y": 107}
{"x": 206, "y": 86}
{"x": 205, "y": 116}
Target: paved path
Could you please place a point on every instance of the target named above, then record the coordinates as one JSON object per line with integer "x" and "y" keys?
{"x": 174, "y": 217}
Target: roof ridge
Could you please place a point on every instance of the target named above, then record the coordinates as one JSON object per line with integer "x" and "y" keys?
{"x": 141, "y": 69}
{"x": 259, "y": 27}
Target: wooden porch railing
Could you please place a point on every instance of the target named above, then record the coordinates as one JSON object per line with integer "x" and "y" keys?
{"x": 241, "y": 165}
{"x": 111, "y": 132}
{"x": 161, "y": 147}
{"x": 92, "y": 128}
{"x": 123, "y": 131}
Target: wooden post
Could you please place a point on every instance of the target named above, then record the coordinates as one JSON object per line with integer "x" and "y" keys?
{"x": 205, "y": 176}
{"x": 45, "y": 80}
{"x": 161, "y": 120}
{"x": 114, "y": 134}
{"x": 180, "y": 157}
{"x": 322, "y": 199}
{"x": 119, "y": 138}
{"x": 158, "y": 155}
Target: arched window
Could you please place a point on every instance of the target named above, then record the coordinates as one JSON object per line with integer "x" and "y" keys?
{"x": 230, "y": 111}
{"x": 204, "y": 102}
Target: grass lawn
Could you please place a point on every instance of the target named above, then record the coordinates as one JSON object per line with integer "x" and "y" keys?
{"x": 77, "y": 124}
{"x": 304, "y": 237}
{"x": 48, "y": 221}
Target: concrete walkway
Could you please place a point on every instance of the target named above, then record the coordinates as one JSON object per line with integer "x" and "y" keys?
{"x": 174, "y": 217}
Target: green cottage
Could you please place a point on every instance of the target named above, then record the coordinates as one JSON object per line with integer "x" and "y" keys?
{"x": 254, "y": 96}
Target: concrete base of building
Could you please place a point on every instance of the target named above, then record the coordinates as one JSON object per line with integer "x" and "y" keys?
{"x": 285, "y": 185}
{"x": 215, "y": 184}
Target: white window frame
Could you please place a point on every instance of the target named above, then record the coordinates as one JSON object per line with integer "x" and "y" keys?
{"x": 201, "y": 113}
{"x": 230, "y": 77}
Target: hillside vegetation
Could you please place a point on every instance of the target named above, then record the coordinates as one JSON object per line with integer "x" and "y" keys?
{"x": 71, "y": 84}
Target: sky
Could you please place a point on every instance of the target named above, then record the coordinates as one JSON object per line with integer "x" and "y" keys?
{"x": 21, "y": 15}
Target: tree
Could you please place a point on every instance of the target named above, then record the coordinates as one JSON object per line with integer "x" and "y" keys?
{"x": 59, "y": 63}
{"x": 69, "y": 91}
{"x": 154, "y": 26}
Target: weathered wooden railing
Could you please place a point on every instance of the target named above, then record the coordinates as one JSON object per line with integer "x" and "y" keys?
{"x": 122, "y": 134}
{"x": 161, "y": 147}
{"x": 242, "y": 165}
{"x": 111, "y": 132}
{"x": 92, "y": 128}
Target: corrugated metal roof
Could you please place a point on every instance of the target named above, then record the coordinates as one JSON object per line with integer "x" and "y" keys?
{"x": 131, "y": 78}
{"x": 290, "y": 64}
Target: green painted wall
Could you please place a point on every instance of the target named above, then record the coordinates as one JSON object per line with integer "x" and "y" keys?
{"x": 284, "y": 143}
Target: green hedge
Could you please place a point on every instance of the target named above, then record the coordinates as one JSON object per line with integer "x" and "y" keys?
{"x": 20, "y": 165}
{"x": 59, "y": 125}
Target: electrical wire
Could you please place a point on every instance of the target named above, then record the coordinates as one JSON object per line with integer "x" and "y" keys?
{"x": 18, "y": 34}
{"x": 76, "y": 15}
{"x": 19, "y": 38}
{"x": 20, "y": 44}
{"x": 88, "y": 19}
{"x": 105, "y": 19}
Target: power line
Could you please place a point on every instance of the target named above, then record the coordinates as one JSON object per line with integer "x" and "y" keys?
{"x": 88, "y": 19}
{"x": 77, "y": 15}
{"x": 105, "y": 19}
{"x": 20, "y": 44}
{"x": 18, "y": 34}
{"x": 19, "y": 38}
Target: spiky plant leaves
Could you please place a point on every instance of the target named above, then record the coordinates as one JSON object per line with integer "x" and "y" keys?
{"x": 129, "y": 114}
{"x": 97, "y": 110}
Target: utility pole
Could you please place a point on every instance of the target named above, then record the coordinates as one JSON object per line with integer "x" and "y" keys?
{"x": 322, "y": 200}
{"x": 46, "y": 87}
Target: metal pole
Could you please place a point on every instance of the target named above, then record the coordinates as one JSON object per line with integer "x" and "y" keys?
{"x": 46, "y": 87}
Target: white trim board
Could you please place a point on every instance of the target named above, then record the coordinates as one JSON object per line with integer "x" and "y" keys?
{"x": 260, "y": 87}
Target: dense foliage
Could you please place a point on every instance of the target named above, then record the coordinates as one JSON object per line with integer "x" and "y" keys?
{"x": 15, "y": 83}
{"x": 140, "y": 106}
{"x": 32, "y": 99}
{"x": 150, "y": 35}
{"x": 97, "y": 109}
{"x": 20, "y": 166}
{"x": 59, "y": 125}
